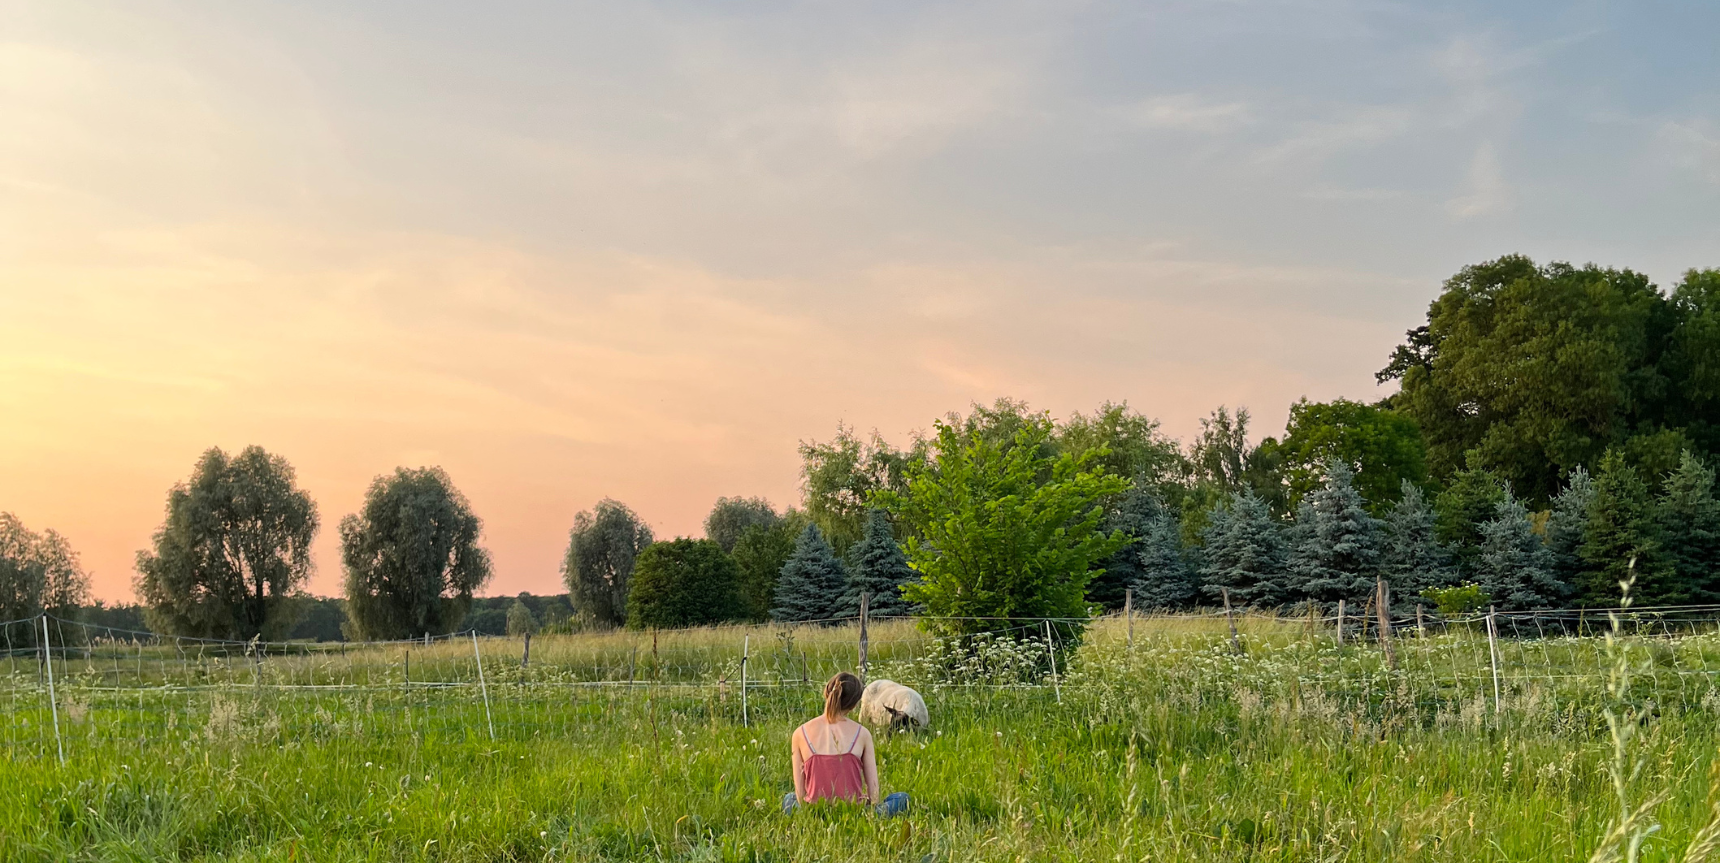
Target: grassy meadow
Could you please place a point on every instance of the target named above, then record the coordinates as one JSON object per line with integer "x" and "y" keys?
{"x": 1173, "y": 747}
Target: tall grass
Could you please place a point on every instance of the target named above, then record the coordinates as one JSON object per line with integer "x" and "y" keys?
{"x": 1172, "y": 749}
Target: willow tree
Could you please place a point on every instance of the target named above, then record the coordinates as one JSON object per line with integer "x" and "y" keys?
{"x": 412, "y": 556}
{"x": 234, "y": 551}
{"x": 602, "y": 550}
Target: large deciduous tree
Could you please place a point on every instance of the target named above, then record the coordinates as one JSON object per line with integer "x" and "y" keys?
{"x": 602, "y": 550}
{"x": 1529, "y": 371}
{"x": 1132, "y": 447}
{"x": 412, "y": 557}
{"x": 840, "y": 476}
{"x": 731, "y": 516}
{"x": 38, "y": 573}
{"x": 760, "y": 554}
{"x": 234, "y": 551}
{"x": 1003, "y": 529}
{"x": 684, "y": 582}
{"x": 1383, "y": 447}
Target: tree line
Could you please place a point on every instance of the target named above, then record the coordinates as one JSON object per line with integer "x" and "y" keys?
{"x": 1552, "y": 432}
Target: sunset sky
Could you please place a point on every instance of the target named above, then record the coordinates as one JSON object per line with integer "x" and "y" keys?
{"x": 569, "y": 251}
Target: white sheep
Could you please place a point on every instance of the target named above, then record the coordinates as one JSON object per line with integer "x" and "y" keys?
{"x": 886, "y": 702}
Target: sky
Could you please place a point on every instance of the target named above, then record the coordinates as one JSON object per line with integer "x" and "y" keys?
{"x": 570, "y": 251}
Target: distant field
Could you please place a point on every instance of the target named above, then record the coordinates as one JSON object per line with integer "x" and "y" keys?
{"x": 605, "y": 747}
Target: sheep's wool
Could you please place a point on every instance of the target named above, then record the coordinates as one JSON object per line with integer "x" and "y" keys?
{"x": 886, "y": 702}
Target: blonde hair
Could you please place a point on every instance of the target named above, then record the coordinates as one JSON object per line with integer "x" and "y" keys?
{"x": 841, "y": 694}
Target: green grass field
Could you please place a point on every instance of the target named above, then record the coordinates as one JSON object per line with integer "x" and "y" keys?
{"x": 1174, "y": 749}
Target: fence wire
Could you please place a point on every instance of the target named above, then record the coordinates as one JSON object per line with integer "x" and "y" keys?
{"x": 70, "y": 687}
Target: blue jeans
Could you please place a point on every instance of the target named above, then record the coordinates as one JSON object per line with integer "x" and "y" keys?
{"x": 894, "y": 804}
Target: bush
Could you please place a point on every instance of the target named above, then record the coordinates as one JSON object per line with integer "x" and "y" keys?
{"x": 687, "y": 582}
{"x": 1452, "y": 601}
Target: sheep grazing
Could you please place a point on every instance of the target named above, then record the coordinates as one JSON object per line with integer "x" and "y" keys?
{"x": 886, "y": 702}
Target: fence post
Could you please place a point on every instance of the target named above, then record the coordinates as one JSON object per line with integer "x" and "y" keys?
{"x": 1051, "y": 652}
{"x": 1420, "y": 627}
{"x": 1340, "y": 623}
{"x": 53, "y": 701}
{"x": 865, "y": 612}
{"x": 1493, "y": 654}
{"x": 1235, "y": 642}
{"x": 526, "y": 654}
{"x": 746, "y": 651}
{"x": 1384, "y": 604}
{"x": 1129, "y": 614}
{"x": 482, "y": 686}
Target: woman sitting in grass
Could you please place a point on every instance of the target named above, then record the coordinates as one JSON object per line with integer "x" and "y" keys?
{"x": 833, "y": 755}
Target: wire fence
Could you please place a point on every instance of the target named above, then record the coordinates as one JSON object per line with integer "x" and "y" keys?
{"x": 71, "y": 687}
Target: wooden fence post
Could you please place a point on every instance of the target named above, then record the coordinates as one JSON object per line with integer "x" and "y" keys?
{"x": 1235, "y": 642}
{"x": 1493, "y": 653}
{"x": 1129, "y": 614}
{"x": 865, "y": 611}
{"x": 1384, "y": 604}
{"x": 1420, "y": 627}
{"x": 1340, "y": 623}
{"x": 526, "y": 654}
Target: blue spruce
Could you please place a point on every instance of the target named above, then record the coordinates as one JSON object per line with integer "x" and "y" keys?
{"x": 1413, "y": 559}
{"x": 1133, "y": 514}
{"x": 1512, "y": 564}
{"x": 877, "y": 566}
{"x": 1565, "y": 525}
{"x": 1162, "y": 575}
{"x": 1689, "y": 521}
{"x": 1337, "y": 554}
{"x": 811, "y": 584}
{"x": 1244, "y": 552}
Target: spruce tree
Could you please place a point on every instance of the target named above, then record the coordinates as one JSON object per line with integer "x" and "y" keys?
{"x": 1413, "y": 559}
{"x": 810, "y": 587}
{"x": 1244, "y": 552}
{"x": 1512, "y": 564}
{"x": 1565, "y": 526}
{"x": 1133, "y": 515}
{"x": 1337, "y": 552}
{"x": 1470, "y": 500}
{"x": 1620, "y": 530}
{"x": 1163, "y": 577}
{"x": 877, "y": 566}
{"x": 1689, "y": 523}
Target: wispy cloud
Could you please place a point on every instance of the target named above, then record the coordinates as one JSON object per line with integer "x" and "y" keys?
{"x": 1485, "y": 191}
{"x": 1188, "y": 112}
{"x": 1695, "y": 146}
{"x": 1360, "y": 129}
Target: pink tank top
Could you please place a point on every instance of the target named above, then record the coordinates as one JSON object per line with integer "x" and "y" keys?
{"x": 833, "y": 777}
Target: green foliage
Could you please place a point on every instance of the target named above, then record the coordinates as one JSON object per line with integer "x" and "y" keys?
{"x": 1471, "y": 500}
{"x": 811, "y": 583}
{"x": 840, "y": 476}
{"x": 1245, "y": 553}
{"x": 1222, "y": 463}
{"x": 760, "y": 553}
{"x": 731, "y": 516}
{"x": 1337, "y": 550}
{"x": 1126, "y": 444}
{"x": 1513, "y": 565}
{"x": 1692, "y": 360}
{"x": 1457, "y": 600}
{"x": 684, "y": 582}
{"x": 1162, "y": 577}
{"x": 38, "y": 573}
{"x": 1004, "y": 529}
{"x": 602, "y": 549}
{"x": 1383, "y": 447}
{"x": 235, "y": 548}
{"x": 411, "y": 555}
{"x": 877, "y": 566}
{"x": 1531, "y": 371}
{"x": 521, "y": 621}
{"x": 1621, "y": 533}
{"x": 1131, "y": 514}
{"x": 1412, "y": 557}
{"x": 1688, "y": 523}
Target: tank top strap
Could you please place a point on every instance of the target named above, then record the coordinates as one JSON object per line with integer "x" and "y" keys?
{"x": 807, "y": 740}
{"x": 856, "y": 741}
